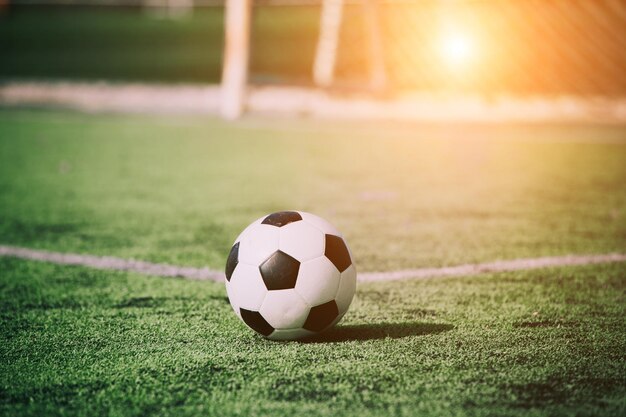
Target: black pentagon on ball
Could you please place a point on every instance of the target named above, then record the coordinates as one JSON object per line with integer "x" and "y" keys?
{"x": 337, "y": 252}
{"x": 321, "y": 316}
{"x": 255, "y": 320}
{"x": 232, "y": 261}
{"x": 282, "y": 218}
{"x": 280, "y": 271}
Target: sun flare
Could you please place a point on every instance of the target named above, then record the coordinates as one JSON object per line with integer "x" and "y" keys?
{"x": 457, "y": 50}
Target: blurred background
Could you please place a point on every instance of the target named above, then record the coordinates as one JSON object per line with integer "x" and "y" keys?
{"x": 481, "y": 48}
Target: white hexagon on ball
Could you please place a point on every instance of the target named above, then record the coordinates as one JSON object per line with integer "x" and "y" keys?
{"x": 284, "y": 309}
{"x": 318, "y": 281}
{"x": 259, "y": 242}
{"x": 321, "y": 224}
{"x": 347, "y": 288}
{"x": 290, "y": 334}
{"x": 290, "y": 275}
{"x": 302, "y": 241}
{"x": 245, "y": 288}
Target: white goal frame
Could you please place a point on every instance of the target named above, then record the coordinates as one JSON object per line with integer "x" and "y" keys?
{"x": 236, "y": 58}
{"x": 238, "y": 19}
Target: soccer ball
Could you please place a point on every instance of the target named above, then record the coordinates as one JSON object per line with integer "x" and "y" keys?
{"x": 290, "y": 275}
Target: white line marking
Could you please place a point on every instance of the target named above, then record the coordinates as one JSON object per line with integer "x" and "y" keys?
{"x": 497, "y": 266}
{"x": 166, "y": 270}
{"x": 108, "y": 262}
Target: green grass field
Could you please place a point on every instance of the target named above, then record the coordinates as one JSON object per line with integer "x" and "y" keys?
{"x": 178, "y": 189}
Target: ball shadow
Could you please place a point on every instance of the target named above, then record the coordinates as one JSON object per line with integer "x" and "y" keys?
{"x": 365, "y": 332}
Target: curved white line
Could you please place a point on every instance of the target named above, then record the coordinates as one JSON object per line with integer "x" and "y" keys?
{"x": 166, "y": 270}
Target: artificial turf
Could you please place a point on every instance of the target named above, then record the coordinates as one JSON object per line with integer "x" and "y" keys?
{"x": 178, "y": 189}
{"x": 84, "y": 342}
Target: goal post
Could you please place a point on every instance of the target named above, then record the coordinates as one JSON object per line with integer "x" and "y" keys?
{"x": 328, "y": 42}
{"x": 236, "y": 58}
{"x": 238, "y": 20}
{"x": 377, "y": 73}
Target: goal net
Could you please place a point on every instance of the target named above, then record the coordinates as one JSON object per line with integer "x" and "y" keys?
{"x": 490, "y": 48}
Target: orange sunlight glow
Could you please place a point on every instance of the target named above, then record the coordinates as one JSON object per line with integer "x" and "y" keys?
{"x": 457, "y": 50}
